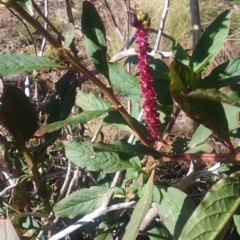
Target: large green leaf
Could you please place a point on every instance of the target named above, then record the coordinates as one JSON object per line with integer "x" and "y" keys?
{"x": 198, "y": 142}
{"x": 104, "y": 236}
{"x": 236, "y": 219}
{"x": 215, "y": 210}
{"x": 69, "y": 35}
{"x": 156, "y": 233}
{"x": 89, "y": 102}
{"x": 209, "y": 113}
{"x": 200, "y": 136}
{"x": 175, "y": 209}
{"x": 81, "y": 118}
{"x": 7, "y": 231}
{"x": 83, "y": 155}
{"x": 126, "y": 83}
{"x": 140, "y": 210}
{"x": 95, "y": 37}
{"x": 225, "y": 74}
{"x": 61, "y": 102}
{"x": 232, "y": 98}
{"x": 18, "y": 114}
{"x": 211, "y": 42}
{"x": 117, "y": 120}
{"x": 27, "y": 5}
{"x": 179, "y": 53}
{"x": 161, "y": 77}
{"x": 11, "y": 64}
{"x": 124, "y": 147}
{"x": 81, "y": 202}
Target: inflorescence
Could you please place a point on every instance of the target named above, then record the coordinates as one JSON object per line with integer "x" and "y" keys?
{"x": 141, "y": 22}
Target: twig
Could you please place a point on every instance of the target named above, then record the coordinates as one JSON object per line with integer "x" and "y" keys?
{"x": 96, "y": 133}
{"x": 90, "y": 218}
{"x": 162, "y": 24}
{"x": 45, "y": 26}
{"x": 71, "y": 20}
{"x": 75, "y": 176}
{"x": 66, "y": 182}
{"x": 192, "y": 178}
{"x": 149, "y": 217}
{"x": 114, "y": 21}
{"x": 7, "y": 189}
{"x": 29, "y": 214}
{"x": 110, "y": 192}
{"x": 131, "y": 52}
{"x": 44, "y": 17}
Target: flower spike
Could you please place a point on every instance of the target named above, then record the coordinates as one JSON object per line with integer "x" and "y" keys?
{"x": 141, "y": 22}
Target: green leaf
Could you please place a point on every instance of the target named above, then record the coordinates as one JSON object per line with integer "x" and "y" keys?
{"x": 95, "y": 37}
{"x": 156, "y": 233}
{"x": 215, "y": 210}
{"x": 69, "y": 35}
{"x": 175, "y": 209}
{"x": 211, "y": 42}
{"x": 27, "y": 5}
{"x": 7, "y": 231}
{"x": 83, "y": 155}
{"x": 11, "y": 64}
{"x": 61, "y": 102}
{"x": 198, "y": 142}
{"x": 18, "y": 114}
{"x": 126, "y": 83}
{"x": 231, "y": 98}
{"x": 236, "y": 219}
{"x": 232, "y": 114}
{"x": 117, "y": 120}
{"x": 89, "y": 102}
{"x": 200, "y": 136}
{"x": 225, "y": 74}
{"x": 127, "y": 148}
{"x": 104, "y": 236}
{"x": 161, "y": 77}
{"x": 140, "y": 210}
{"x": 82, "y": 202}
{"x": 203, "y": 148}
{"x": 81, "y": 118}
{"x": 179, "y": 53}
{"x": 209, "y": 113}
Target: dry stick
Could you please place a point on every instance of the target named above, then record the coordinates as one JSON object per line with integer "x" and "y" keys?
{"x": 36, "y": 95}
{"x": 162, "y": 24}
{"x": 45, "y": 26}
{"x": 8, "y": 188}
{"x": 130, "y": 52}
{"x": 71, "y": 20}
{"x": 38, "y": 10}
{"x": 79, "y": 67}
{"x": 196, "y": 32}
{"x": 90, "y": 218}
{"x": 114, "y": 21}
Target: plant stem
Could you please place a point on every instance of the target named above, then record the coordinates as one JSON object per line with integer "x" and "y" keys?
{"x": 36, "y": 177}
{"x": 205, "y": 157}
{"x": 79, "y": 67}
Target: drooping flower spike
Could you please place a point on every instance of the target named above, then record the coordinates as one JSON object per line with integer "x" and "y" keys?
{"x": 141, "y": 22}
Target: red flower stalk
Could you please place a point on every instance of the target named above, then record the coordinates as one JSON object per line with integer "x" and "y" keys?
{"x": 142, "y": 22}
